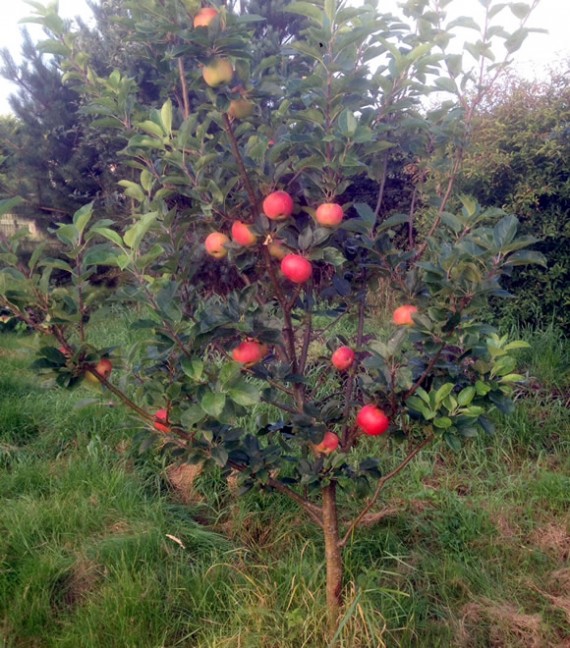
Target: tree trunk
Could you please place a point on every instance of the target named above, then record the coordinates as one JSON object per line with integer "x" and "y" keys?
{"x": 333, "y": 556}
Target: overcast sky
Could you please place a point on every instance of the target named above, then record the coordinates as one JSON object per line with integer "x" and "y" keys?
{"x": 540, "y": 50}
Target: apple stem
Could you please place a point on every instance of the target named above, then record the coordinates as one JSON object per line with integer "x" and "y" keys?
{"x": 333, "y": 556}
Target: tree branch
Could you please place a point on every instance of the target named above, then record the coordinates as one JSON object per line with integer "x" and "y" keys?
{"x": 381, "y": 482}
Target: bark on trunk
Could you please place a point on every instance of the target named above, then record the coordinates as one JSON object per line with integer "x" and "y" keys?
{"x": 333, "y": 556}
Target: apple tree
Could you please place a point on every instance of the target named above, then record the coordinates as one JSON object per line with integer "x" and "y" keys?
{"x": 243, "y": 251}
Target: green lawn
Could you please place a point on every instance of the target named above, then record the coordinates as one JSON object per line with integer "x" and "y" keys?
{"x": 99, "y": 548}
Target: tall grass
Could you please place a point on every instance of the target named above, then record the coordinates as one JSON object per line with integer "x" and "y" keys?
{"x": 97, "y": 549}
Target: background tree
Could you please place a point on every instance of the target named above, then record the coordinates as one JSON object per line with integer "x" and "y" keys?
{"x": 519, "y": 160}
{"x": 56, "y": 161}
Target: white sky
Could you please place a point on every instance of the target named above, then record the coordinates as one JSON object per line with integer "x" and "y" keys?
{"x": 538, "y": 52}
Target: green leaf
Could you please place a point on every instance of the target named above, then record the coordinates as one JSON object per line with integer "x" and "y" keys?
{"x": 511, "y": 378}
{"x": 213, "y": 403}
{"x": 107, "y": 233}
{"x": 134, "y": 235}
{"x": 446, "y": 84}
{"x": 132, "y": 190}
{"x": 219, "y": 455}
{"x": 166, "y": 117}
{"x": 454, "y": 64}
{"x": 191, "y": 416}
{"x": 102, "y": 254}
{"x": 36, "y": 255}
{"x": 470, "y": 205}
{"x": 516, "y": 344}
{"x": 82, "y": 216}
{"x": 392, "y": 221}
{"x": 8, "y": 204}
{"x": 505, "y": 230}
{"x": 465, "y": 396}
{"x": 150, "y": 128}
{"x": 482, "y": 388}
{"x": 347, "y": 123}
{"x": 464, "y": 21}
{"x": 443, "y": 422}
{"x": 519, "y": 9}
{"x": 244, "y": 393}
{"x": 146, "y": 180}
{"x": 366, "y": 214}
{"x": 443, "y": 392}
{"x": 526, "y": 257}
{"x": 193, "y": 368}
{"x": 305, "y": 9}
{"x": 452, "y": 441}
{"x": 503, "y": 366}
{"x": 515, "y": 40}
{"x": 68, "y": 234}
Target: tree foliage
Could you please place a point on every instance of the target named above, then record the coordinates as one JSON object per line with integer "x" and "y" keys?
{"x": 519, "y": 160}
{"x": 53, "y": 158}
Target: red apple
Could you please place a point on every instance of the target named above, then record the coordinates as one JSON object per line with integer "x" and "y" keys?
{"x": 403, "y": 315}
{"x": 278, "y": 205}
{"x": 205, "y": 16}
{"x": 161, "y": 421}
{"x": 372, "y": 420}
{"x": 296, "y": 268}
{"x": 215, "y": 245}
{"x": 343, "y": 358}
{"x": 249, "y": 352}
{"x": 64, "y": 351}
{"x": 329, "y": 215}
{"x": 242, "y": 235}
{"x": 218, "y": 72}
{"x": 103, "y": 367}
{"x": 329, "y": 443}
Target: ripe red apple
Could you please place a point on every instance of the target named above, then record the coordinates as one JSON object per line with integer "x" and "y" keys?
{"x": 329, "y": 215}
{"x": 103, "y": 367}
{"x": 161, "y": 421}
{"x": 64, "y": 351}
{"x": 215, "y": 245}
{"x": 329, "y": 443}
{"x": 343, "y": 358}
{"x": 403, "y": 315}
{"x": 241, "y": 108}
{"x": 205, "y": 16}
{"x": 242, "y": 235}
{"x": 249, "y": 352}
{"x": 219, "y": 71}
{"x": 278, "y": 205}
{"x": 372, "y": 420}
{"x": 296, "y": 268}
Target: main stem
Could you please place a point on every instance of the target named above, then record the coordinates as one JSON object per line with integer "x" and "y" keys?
{"x": 333, "y": 556}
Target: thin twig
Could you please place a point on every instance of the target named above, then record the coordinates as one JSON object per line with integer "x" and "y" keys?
{"x": 348, "y": 430}
{"x": 381, "y": 482}
{"x": 184, "y": 87}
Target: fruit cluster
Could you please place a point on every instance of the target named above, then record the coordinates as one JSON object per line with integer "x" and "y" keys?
{"x": 277, "y": 206}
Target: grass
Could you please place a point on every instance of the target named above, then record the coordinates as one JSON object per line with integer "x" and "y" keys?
{"x": 98, "y": 549}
